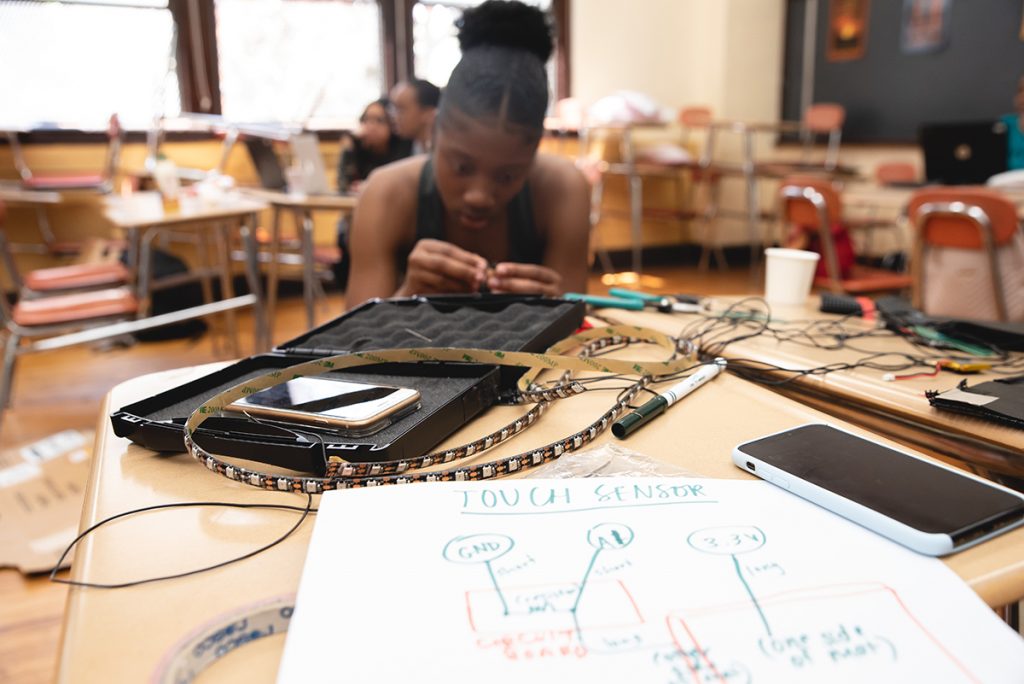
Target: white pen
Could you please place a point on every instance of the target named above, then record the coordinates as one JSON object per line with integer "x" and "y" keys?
{"x": 633, "y": 420}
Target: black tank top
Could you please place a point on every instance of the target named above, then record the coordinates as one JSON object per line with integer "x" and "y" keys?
{"x": 525, "y": 245}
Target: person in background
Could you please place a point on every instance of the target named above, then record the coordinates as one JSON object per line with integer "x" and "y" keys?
{"x": 415, "y": 104}
{"x": 1015, "y": 130}
{"x": 375, "y": 144}
{"x": 484, "y": 210}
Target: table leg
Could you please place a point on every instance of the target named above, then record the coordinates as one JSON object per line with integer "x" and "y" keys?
{"x": 636, "y": 200}
{"x": 753, "y": 203}
{"x": 132, "y": 262}
{"x": 143, "y": 275}
{"x": 227, "y": 288}
{"x": 305, "y": 219}
{"x": 252, "y": 276}
{"x": 272, "y": 273}
{"x": 206, "y": 249}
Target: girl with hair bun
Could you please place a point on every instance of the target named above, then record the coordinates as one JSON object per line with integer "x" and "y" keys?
{"x": 484, "y": 211}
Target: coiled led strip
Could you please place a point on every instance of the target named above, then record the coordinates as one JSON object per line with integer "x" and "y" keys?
{"x": 344, "y": 475}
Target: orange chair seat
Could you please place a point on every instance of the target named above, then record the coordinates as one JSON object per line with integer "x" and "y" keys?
{"x": 864, "y": 279}
{"x": 75, "y": 307}
{"x": 327, "y": 254}
{"x": 68, "y": 182}
{"x": 76, "y": 276}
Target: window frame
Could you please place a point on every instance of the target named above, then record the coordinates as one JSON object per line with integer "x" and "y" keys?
{"x": 199, "y": 72}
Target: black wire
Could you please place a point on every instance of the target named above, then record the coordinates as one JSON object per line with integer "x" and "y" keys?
{"x": 750, "y": 317}
{"x": 188, "y": 504}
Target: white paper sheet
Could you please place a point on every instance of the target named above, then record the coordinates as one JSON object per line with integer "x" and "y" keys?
{"x": 632, "y": 580}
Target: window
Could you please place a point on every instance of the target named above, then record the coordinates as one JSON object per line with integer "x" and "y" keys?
{"x": 435, "y": 47}
{"x": 74, "y": 63}
{"x": 302, "y": 61}
{"x": 316, "y": 63}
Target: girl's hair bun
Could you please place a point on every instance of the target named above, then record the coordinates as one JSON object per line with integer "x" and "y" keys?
{"x": 506, "y": 23}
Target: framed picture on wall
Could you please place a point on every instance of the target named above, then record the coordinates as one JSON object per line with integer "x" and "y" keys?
{"x": 847, "y": 29}
{"x": 925, "y": 26}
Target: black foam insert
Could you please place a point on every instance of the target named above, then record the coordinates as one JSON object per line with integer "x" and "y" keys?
{"x": 389, "y": 325}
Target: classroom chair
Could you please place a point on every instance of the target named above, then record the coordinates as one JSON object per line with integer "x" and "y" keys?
{"x": 870, "y": 217}
{"x": 812, "y": 204}
{"x": 98, "y": 181}
{"x": 820, "y": 119}
{"x": 677, "y": 161}
{"x": 896, "y": 173}
{"x": 968, "y": 258}
{"x": 102, "y": 269}
{"x": 45, "y": 324}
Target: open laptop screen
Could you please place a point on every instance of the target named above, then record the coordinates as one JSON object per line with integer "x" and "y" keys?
{"x": 267, "y": 163}
{"x": 964, "y": 153}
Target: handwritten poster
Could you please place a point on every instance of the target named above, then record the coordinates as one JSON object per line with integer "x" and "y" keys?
{"x": 634, "y": 580}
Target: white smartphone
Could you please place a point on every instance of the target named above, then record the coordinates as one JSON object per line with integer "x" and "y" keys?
{"x": 353, "y": 408}
{"x": 927, "y": 506}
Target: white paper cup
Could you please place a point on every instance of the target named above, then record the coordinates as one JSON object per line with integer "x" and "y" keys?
{"x": 789, "y": 274}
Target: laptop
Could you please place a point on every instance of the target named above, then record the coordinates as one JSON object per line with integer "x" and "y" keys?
{"x": 267, "y": 164}
{"x": 964, "y": 153}
{"x": 306, "y": 154}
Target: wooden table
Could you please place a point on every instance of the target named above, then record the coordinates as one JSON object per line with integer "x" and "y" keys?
{"x": 15, "y": 195}
{"x": 143, "y": 218}
{"x": 301, "y": 207}
{"x": 123, "y": 634}
{"x": 898, "y": 409}
{"x": 892, "y": 201}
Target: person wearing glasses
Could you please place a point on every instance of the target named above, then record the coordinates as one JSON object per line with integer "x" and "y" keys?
{"x": 374, "y": 144}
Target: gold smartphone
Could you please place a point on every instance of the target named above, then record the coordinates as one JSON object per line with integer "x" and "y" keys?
{"x": 354, "y": 408}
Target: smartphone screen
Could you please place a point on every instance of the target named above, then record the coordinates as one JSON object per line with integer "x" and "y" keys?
{"x": 335, "y": 402}
{"x": 912, "y": 491}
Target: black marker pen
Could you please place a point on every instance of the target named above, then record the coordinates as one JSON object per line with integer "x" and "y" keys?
{"x": 632, "y": 421}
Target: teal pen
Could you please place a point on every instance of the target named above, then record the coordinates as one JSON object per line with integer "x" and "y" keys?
{"x": 611, "y": 302}
{"x": 633, "y": 294}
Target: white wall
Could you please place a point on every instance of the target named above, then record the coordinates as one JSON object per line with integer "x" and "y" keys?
{"x": 726, "y": 54}
{"x": 630, "y": 45}
{"x": 723, "y": 53}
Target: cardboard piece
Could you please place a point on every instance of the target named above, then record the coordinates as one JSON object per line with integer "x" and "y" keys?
{"x": 42, "y": 488}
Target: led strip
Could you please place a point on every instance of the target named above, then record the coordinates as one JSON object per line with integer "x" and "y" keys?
{"x": 344, "y": 475}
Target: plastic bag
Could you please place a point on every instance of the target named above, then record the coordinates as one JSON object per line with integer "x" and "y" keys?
{"x": 608, "y": 460}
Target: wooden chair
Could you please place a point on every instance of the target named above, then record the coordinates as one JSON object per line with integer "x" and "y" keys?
{"x": 812, "y": 203}
{"x": 968, "y": 257}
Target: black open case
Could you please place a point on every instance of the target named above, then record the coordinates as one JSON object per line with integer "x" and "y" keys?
{"x": 451, "y": 394}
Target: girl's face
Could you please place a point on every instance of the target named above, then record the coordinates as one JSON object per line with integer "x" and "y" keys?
{"x": 479, "y": 167}
{"x": 375, "y": 127}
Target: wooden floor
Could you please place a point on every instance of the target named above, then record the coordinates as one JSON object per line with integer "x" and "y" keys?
{"x": 63, "y": 390}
